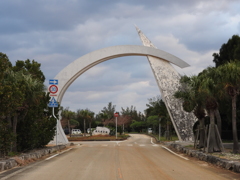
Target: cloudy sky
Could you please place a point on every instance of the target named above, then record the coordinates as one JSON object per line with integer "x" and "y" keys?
{"x": 57, "y": 32}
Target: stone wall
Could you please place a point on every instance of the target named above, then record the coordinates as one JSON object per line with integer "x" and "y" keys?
{"x": 223, "y": 163}
{"x": 19, "y": 160}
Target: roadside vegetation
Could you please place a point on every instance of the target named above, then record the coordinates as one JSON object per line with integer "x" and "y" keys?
{"x": 129, "y": 120}
{"x": 25, "y": 119}
{"x": 213, "y": 97}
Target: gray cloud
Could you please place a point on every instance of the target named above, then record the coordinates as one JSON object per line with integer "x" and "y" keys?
{"x": 55, "y": 33}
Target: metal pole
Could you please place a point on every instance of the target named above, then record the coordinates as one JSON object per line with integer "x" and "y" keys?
{"x": 116, "y": 127}
{"x": 56, "y": 126}
{"x": 159, "y": 129}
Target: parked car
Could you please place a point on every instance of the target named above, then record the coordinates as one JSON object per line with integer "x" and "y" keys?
{"x": 66, "y": 131}
{"x": 76, "y": 132}
{"x": 149, "y": 130}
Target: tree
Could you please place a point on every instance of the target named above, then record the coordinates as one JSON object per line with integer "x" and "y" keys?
{"x": 85, "y": 115}
{"x": 90, "y": 119}
{"x": 67, "y": 114}
{"x": 228, "y": 51}
{"x": 128, "y": 115}
{"x": 109, "y": 110}
{"x": 103, "y": 116}
{"x": 24, "y": 112}
{"x": 209, "y": 78}
{"x": 229, "y": 79}
{"x": 138, "y": 125}
{"x": 30, "y": 67}
{"x": 156, "y": 107}
{"x": 4, "y": 65}
{"x": 199, "y": 93}
{"x": 23, "y": 101}
{"x": 36, "y": 125}
{"x": 124, "y": 121}
{"x": 153, "y": 121}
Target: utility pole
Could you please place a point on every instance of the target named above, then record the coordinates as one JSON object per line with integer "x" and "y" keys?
{"x": 116, "y": 114}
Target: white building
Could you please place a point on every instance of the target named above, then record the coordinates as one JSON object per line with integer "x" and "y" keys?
{"x": 101, "y": 131}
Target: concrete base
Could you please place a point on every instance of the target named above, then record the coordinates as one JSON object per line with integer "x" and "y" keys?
{"x": 60, "y": 137}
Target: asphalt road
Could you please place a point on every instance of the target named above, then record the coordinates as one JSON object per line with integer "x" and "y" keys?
{"x": 137, "y": 158}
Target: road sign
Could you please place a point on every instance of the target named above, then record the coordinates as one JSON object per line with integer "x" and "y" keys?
{"x": 53, "y": 89}
{"x": 53, "y": 103}
{"x": 116, "y": 114}
{"x": 53, "y": 81}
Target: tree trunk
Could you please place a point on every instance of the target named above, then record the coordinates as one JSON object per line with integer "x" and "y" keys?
{"x": 201, "y": 133}
{"x": 212, "y": 143}
{"x": 69, "y": 129}
{"x": 84, "y": 130}
{"x": 9, "y": 121}
{"x": 14, "y": 126}
{"x": 167, "y": 132}
{"x": 234, "y": 125}
{"x": 90, "y": 124}
{"x": 219, "y": 121}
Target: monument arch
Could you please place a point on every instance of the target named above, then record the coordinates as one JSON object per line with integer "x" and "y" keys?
{"x": 166, "y": 76}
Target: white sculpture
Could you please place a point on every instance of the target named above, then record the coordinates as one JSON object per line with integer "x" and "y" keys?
{"x": 168, "y": 82}
{"x": 166, "y": 77}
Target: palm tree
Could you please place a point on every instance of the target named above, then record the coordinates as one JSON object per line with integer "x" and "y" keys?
{"x": 198, "y": 94}
{"x": 193, "y": 101}
{"x": 229, "y": 79}
{"x": 109, "y": 110}
{"x": 85, "y": 115}
{"x": 208, "y": 88}
{"x": 103, "y": 117}
{"x": 209, "y": 78}
{"x": 66, "y": 113}
{"x": 91, "y": 116}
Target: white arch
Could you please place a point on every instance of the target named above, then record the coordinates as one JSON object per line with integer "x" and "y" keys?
{"x": 70, "y": 73}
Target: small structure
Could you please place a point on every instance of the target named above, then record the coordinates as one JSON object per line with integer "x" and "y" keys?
{"x": 101, "y": 131}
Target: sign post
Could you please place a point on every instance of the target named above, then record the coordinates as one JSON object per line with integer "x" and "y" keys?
{"x": 116, "y": 114}
{"x": 53, "y": 89}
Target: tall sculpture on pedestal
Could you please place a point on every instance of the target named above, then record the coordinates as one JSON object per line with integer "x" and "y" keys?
{"x": 168, "y": 82}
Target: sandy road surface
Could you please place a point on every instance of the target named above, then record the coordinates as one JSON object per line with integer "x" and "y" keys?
{"x": 137, "y": 158}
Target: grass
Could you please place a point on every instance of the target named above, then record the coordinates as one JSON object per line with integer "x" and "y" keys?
{"x": 99, "y": 138}
{"x": 112, "y": 138}
{"x": 173, "y": 138}
{"x": 11, "y": 154}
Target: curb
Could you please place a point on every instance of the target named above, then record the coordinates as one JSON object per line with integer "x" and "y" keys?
{"x": 223, "y": 163}
{"x": 17, "y": 161}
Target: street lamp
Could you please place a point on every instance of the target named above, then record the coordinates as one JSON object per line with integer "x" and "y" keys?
{"x": 116, "y": 114}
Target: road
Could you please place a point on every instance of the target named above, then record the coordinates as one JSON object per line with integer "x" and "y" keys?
{"x": 137, "y": 158}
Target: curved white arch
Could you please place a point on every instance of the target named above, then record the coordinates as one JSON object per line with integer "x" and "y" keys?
{"x": 70, "y": 73}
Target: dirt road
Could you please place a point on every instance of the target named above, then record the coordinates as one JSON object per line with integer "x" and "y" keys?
{"x": 137, "y": 158}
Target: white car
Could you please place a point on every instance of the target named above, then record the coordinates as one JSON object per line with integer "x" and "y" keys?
{"x": 149, "y": 130}
{"x": 76, "y": 131}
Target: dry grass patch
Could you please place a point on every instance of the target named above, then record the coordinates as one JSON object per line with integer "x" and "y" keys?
{"x": 98, "y": 138}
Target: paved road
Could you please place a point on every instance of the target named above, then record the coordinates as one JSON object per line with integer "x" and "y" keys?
{"x": 138, "y": 158}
